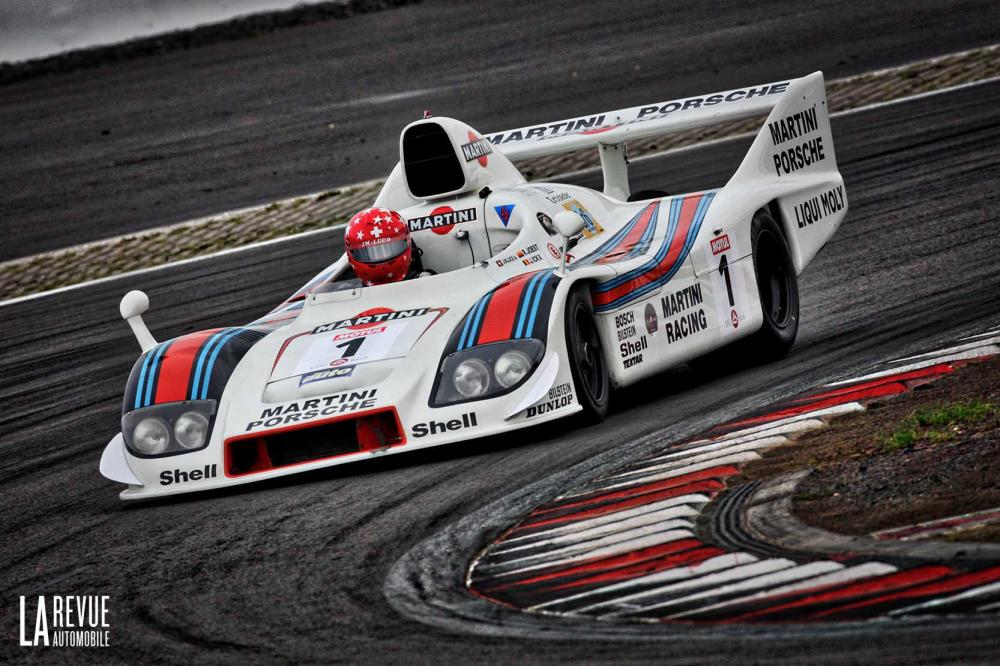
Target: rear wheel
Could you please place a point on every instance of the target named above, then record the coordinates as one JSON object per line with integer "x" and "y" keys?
{"x": 778, "y": 289}
{"x": 586, "y": 357}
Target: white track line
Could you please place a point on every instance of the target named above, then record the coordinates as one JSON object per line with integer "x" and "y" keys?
{"x": 962, "y": 356}
{"x": 253, "y": 246}
{"x": 607, "y": 529}
{"x": 961, "y": 596}
{"x": 839, "y": 577}
{"x": 724, "y": 562}
{"x": 662, "y": 509}
{"x": 768, "y": 580}
{"x": 712, "y": 453}
{"x": 633, "y": 603}
{"x": 600, "y": 553}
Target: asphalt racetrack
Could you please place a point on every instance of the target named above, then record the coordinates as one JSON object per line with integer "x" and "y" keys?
{"x": 134, "y": 145}
{"x": 294, "y": 570}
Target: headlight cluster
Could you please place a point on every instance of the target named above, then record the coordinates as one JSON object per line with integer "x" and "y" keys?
{"x": 168, "y": 429}
{"x": 486, "y": 371}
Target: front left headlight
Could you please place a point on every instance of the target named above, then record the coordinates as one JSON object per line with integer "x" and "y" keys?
{"x": 486, "y": 371}
{"x": 168, "y": 429}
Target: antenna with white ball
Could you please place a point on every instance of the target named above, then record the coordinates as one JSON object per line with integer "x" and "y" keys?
{"x": 133, "y": 304}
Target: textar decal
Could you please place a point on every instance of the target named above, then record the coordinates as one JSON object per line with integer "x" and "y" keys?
{"x": 558, "y": 397}
{"x": 442, "y": 219}
{"x": 370, "y": 319}
{"x": 307, "y": 410}
{"x": 678, "y": 322}
{"x": 333, "y": 373}
{"x": 816, "y": 208}
{"x": 181, "y": 476}
{"x": 468, "y": 420}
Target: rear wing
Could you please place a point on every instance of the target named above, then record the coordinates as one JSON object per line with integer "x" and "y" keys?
{"x": 791, "y": 163}
{"x": 638, "y": 122}
{"x": 609, "y": 132}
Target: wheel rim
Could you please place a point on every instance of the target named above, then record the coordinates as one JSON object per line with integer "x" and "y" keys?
{"x": 589, "y": 356}
{"x": 773, "y": 280}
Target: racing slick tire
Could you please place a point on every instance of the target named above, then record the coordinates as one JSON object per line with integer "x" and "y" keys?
{"x": 777, "y": 287}
{"x": 591, "y": 380}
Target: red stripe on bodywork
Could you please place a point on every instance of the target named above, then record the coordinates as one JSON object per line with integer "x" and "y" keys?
{"x": 677, "y": 243}
{"x": 877, "y": 585}
{"x": 175, "y": 368}
{"x": 498, "y": 322}
{"x": 632, "y": 238}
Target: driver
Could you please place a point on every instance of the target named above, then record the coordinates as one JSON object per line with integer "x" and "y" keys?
{"x": 379, "y": 247}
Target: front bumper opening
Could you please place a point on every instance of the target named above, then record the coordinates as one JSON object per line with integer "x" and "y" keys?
{"x": 296, "y": 445}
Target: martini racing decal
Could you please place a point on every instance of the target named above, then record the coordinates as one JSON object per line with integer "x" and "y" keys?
{"x": 477, "y": 149}
{"x": 683, "y": 223}
{"x": 630, "y": 241}
{"x": 682, "y": 314}
{"x": 308, "y": 410}
{"x": 518, "y": 308}
{"x": 191, "y": 367}
{"x": 442, "y": 220}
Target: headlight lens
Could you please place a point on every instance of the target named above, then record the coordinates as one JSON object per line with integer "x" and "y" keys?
{"x": 168, "y": 429}
{"x": 471, "y": 378}
{"x": 191, "y": 430}
{"x": 151, "y": 436}
{"x": 511, "y": 368}
{"x": 486, "y": 371}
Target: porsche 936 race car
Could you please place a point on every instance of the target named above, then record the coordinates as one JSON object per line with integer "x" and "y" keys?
{"x": 545, "y": 297}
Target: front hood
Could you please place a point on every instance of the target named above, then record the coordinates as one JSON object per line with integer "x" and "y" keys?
{"x": 358, "y": 338}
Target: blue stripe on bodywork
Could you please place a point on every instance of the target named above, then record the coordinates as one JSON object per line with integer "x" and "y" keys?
{"x": 211, "y": 362}
{"x": 202, "y": 355}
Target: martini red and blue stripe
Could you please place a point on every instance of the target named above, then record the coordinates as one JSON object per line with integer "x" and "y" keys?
{"x": 684, "y": 220}
{"x": 518, "y": 308}
{"x": 631, "y": 241}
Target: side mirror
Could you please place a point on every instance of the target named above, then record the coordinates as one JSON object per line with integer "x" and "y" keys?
{"x": 133, "y": 304}
{"x": 568, "y": 223}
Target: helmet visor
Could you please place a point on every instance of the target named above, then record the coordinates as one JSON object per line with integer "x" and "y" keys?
{"x": 374, "y": 254}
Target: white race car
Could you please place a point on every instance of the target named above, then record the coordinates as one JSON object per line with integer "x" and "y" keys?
{"x": 545, "y": 298}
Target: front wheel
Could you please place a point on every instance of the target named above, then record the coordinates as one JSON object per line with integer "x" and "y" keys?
{"x": 586, "y": 357}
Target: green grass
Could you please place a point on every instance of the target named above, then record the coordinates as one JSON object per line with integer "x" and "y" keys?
{"x": 938, "y": 424}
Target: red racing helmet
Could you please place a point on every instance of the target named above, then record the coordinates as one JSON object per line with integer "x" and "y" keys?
{"x": 378, "y": 246}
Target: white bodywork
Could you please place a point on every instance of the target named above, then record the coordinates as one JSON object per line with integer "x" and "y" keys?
{"x": 696, "y": 307}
